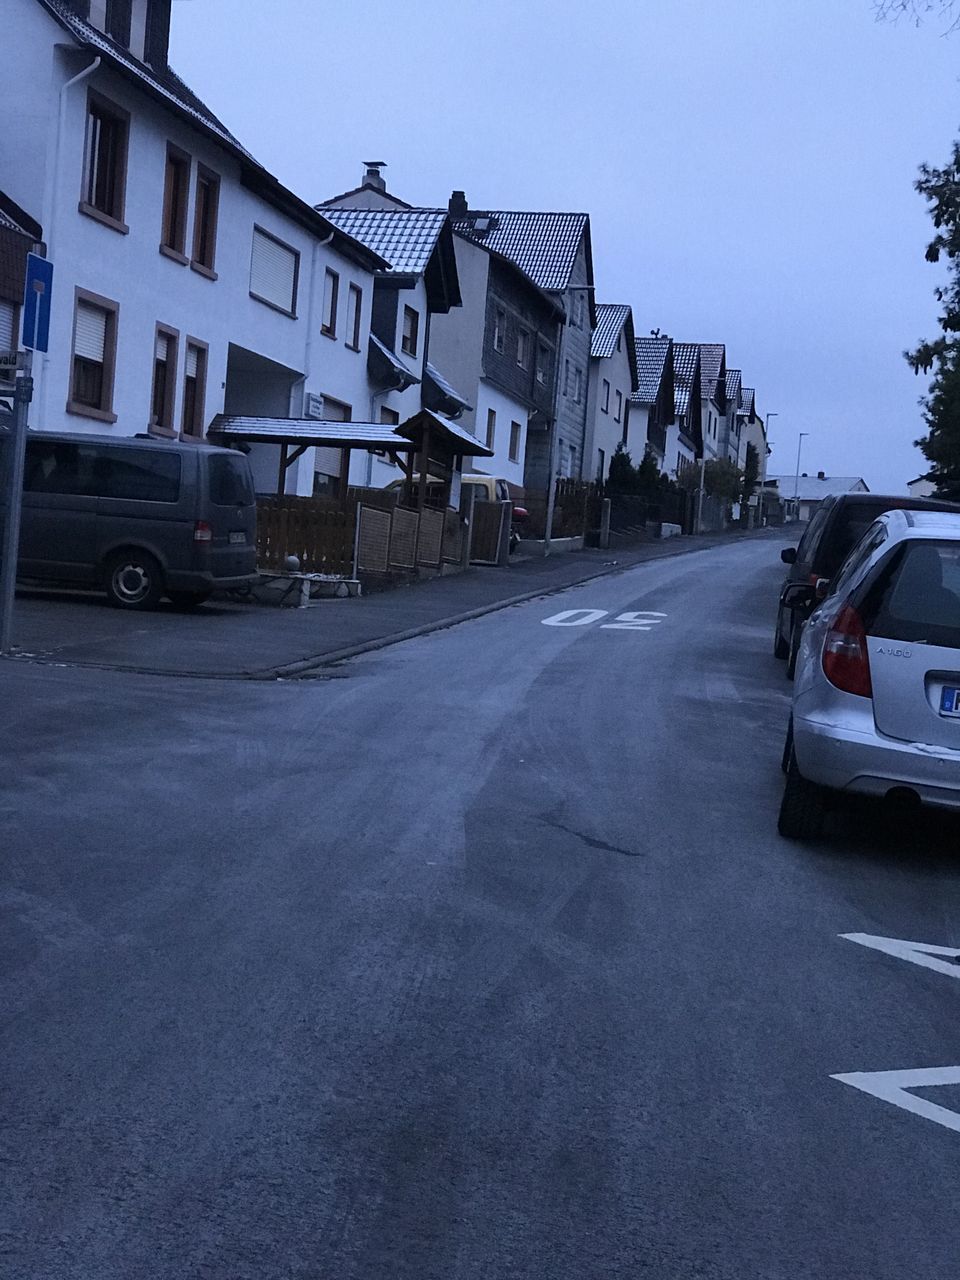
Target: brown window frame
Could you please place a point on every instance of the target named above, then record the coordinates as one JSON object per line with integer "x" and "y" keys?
{"x": 101, "y": 108}
{"x": 499, "y": 330}
{"x": 200, "y": 391}
{"x": 523, "y": 348}
{"x": 165, "y": 428}
{"x": 211, "y": 216}
{"x": 341, "y": 404}
{"x": 116, "y": 24}
{"x": 355, "y": 301}
{"x": 291, "y": 312}
{"x": 103, "y": 412}
{"x": 516, "y": 434}
{"x": 176, "y": 186}
{"x": 543, "y": 359}
{"x": 410, "y": 347}
{"x": 328, "y": 326}
{"x": 619, "y": 413}
{"x": 491, "y": 427}
{"x": 605, "y": 396}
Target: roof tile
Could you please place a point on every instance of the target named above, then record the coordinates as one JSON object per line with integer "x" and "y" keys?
{"x": 543, "y": 245}
{"x": 405, "y": 237}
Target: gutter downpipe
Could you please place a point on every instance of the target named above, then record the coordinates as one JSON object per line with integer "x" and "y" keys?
{"x": 308, "y": 347}
{"x": 51, "y": 188}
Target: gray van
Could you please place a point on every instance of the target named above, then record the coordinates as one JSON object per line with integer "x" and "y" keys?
{"x": 141, "y": 518}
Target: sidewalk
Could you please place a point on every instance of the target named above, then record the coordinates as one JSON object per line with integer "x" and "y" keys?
{"x": 224, "y": 640}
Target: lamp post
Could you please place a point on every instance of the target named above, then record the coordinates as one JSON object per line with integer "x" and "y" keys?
{"x": 763, "y": 479}
{"x": 796, "y": 481}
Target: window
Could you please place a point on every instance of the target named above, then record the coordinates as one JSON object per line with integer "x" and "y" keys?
{"x": 601, "y": 464}
{"x": 102, "y": 471}
{"x": 274, "y": 272}
{"x": 336, "y": 410}
{"x": 605, "y": 397}
{"x": 499, "y": 329}
{"x": 230, "y": 481}
{"x": 543, "y": 363}
{"x": 194, "y": 388}
{"x": 117, "y": 24}
{"x": 105, "y": 162}
{"x": 566, "y": 377}
{"x": 390, "y": 417}
{"x": 205, "y": 222}
{"x": 94, "y": 357}
{"x": 411, "y": 331}
{"x": 577, "y": 385}
{"x": 9, "y": 338}
{"x": 164, "y": 375}
{"x": 331, "y": 303}
{"x": 491, "y": 427}
{"x": 619, "y": 411}
{"x": 916, "y": 598}
{"x": 523, "y": 348}
{"x": 175, "y": 194}
{"x": 354, "y": 308}
{"x": 515, "y": 431}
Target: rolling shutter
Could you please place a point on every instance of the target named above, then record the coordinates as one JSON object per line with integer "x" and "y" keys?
{"x": 163, "y": 346}
{"x": 191, "y": 361}
{"x": 8, "y": 316}
{"x": 273, "y": 272}
{"x": 91, "y": 337}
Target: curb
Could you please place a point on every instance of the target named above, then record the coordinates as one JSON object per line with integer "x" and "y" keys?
{"x": 306, "y": 667}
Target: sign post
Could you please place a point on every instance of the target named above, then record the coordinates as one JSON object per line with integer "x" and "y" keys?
{"x": 35, "y": 337}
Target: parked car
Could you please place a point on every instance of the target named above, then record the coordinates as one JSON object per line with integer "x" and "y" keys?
{"x": 486, "y": 488}
{"x": 876, "y": 704}
{"x": 835, "y": 527}
{"x": 141, "y": 518}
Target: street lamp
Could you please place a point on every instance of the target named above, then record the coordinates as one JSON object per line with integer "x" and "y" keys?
{"x": 763, "y": 480}
{"x": 796, "y": 482}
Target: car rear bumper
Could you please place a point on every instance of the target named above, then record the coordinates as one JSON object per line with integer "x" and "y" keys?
{"x": 204, "y": 580}
{"x": 866, "y": 763}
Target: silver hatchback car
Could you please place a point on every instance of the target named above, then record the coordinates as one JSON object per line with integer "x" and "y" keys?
{"x": 876, "y": 703}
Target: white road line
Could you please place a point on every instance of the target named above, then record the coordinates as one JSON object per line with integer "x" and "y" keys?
{"x": 892, "y": 1086}
{"x": 921, "y": 953}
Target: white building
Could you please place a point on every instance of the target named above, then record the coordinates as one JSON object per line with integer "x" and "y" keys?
{"x": 802, "y": 495}
{"x": 187, "y": 280}
{"x": 612, "y": 381}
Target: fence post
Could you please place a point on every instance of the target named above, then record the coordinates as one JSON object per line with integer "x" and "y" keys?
{"x": 356, "y": 541}
{"x": 468, "y": 497}
{"x": 605, "y": 505}
{"x": 503, "y": 543}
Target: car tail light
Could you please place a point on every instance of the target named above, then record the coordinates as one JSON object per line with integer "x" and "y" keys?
{"x": 813, "y": 579}
{"x": 520, "y": 513}
{"x": 202, "y": 532}
{"x": 845, "y": 661}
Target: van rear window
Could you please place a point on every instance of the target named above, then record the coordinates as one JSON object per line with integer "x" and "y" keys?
{"x": 102, "y": 471}
{"x": 230, "y": 481}
{"x": 917, "y": 596}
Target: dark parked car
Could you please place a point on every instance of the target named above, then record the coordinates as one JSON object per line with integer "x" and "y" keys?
{"x": 835, "y": 528}
{"x": 142, "y": 519}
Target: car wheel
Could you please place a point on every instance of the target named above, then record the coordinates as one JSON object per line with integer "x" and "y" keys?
{"x": 780, "y": 647}
{"x": 134, "y": 580}
{"x": 787, "y": 747}
{"x": 803, "y": 807}
{"x": 188, "y": 599}
{"x": 795, "y": 634}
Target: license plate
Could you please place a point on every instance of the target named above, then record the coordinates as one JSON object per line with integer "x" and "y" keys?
{"x": 238, "y": 537}
{"x": 950, "y": 700}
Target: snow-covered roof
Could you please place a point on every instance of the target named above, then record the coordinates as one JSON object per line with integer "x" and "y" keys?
{"x": 651, "y": 361}
{"x": 543, "y": 245}
{"x": 611, "y": 317}
{"x": 406, "y": 238}
{"x": 813, "y": 489}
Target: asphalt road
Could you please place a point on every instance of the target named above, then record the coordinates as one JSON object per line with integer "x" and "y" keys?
{"x": 479, "y": 959}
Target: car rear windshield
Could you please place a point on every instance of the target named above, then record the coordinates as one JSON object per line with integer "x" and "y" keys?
{"x": 230, "y": 482}
{"x": 916, "y": 596}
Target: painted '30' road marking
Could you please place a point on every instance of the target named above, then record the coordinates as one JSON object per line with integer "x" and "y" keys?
{"x": 643, "y": 620}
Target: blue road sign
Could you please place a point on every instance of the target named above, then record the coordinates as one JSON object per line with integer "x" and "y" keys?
{"x": 36, "y": 303}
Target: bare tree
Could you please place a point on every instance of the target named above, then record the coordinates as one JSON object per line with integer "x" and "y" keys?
{"x": 915, "y": 11}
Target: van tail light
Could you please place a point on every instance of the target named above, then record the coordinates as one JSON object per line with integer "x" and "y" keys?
{"x": 202, "y": 532}
{"x": 520, "y": 513}
{"x": 845, "y": 661}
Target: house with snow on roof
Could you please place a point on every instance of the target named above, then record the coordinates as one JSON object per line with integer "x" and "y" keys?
{"x": 802, "y": 495}
{"x": 188, "y": 281}
{"x": 652, "y": 415}
{"x": 613, "y": 380}
{"x": 686, "y": 431}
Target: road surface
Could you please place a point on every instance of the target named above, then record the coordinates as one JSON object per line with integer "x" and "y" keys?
{"x": 479, "y": 958}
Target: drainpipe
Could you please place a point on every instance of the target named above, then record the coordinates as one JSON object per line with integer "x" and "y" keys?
{"x": 308, "y": 347}
{"x": 50, "y": 194}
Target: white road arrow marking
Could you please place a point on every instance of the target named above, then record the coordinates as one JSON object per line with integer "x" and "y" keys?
{"x": 892, "y": 1086}
{"x": 921, "y": 953}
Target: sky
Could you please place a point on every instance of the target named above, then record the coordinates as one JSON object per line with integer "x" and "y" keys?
{"x": 748, "y": 166}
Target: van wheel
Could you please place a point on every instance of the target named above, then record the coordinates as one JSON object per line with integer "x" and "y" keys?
{"x": 803, "y": 808}
{"x": 188, "y": 599}
{"x": 134, "y": 580}
{"x": 780, "y": 646}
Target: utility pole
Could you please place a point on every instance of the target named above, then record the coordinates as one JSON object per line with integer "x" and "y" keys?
{"x": 13, "y": 497}
{"x": 703, "y": 467}
{"x": 763, "y": 481}
{"x": 796, "y": 481}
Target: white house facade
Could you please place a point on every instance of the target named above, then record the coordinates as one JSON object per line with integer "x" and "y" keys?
{"x": 613, "y": 380}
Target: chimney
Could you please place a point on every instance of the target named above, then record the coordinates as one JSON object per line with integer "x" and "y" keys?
{"x": 821, "y": 476}
{"x": 457, "y": 206}
{"x": 372, "y": 176}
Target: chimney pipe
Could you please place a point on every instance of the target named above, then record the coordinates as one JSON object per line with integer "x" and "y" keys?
{"x": 457, "y": 206}
{"x": 821, "y": 476}
{"x": 372, "y": 176}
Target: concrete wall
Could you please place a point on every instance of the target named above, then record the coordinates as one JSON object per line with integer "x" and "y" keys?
{"x": 508, "y": 410}
{"x": 456, "y": 338}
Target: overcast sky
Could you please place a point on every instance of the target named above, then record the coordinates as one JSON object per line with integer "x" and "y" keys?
{"x": 747, "y": 165}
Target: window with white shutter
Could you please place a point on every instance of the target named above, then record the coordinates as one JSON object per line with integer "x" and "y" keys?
{"x": 8, "y": 326}
{"x": 274, "y": 268}
{"x": 164, "y": 367}
{"x": 194, "y": 388}
{"x": 94, "y": 357}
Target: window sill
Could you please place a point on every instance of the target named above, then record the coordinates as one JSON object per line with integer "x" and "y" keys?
{"x": 201, "y": 270}
{"x": 105, "y": 219}
{"x": 291, "y": 315}
{"x": 350, "y": 346}
{"x": 412, "y": 355}
{"x": 88, "y": 411}
{"x": 161, "y": 433}
{"x": 174, "y": 255}
{"x": 328, "y": 333}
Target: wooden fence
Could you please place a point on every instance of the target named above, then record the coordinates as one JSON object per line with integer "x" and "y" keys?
{"x": 318, "y": 531}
